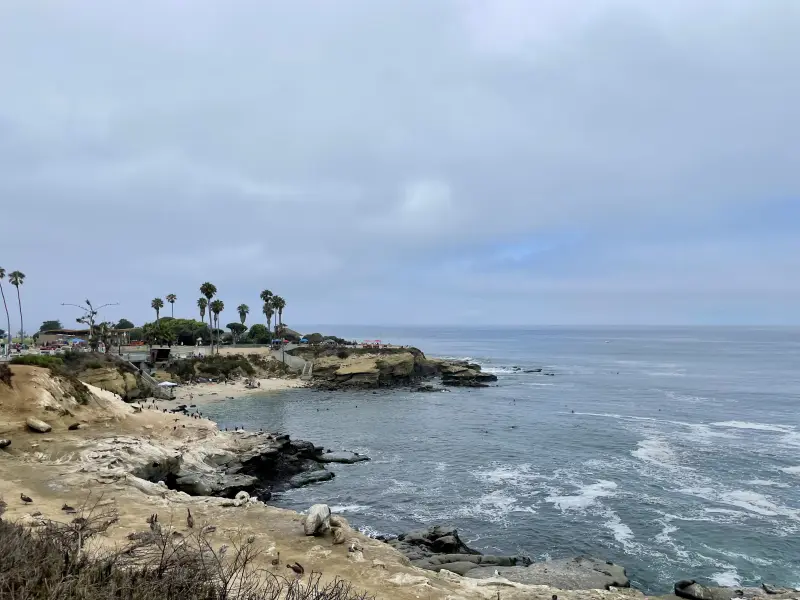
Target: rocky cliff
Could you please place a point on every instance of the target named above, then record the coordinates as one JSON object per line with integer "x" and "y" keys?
{"x": 392, "y": 367}
{"x": 112, "y": 379}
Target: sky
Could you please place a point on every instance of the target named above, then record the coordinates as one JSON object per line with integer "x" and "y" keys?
{"x": 460, "y": 162}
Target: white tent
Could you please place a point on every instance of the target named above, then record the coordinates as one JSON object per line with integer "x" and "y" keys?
{"x": 167, "y": 384}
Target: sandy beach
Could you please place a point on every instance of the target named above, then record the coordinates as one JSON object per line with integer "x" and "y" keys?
{"x": 208, "y": 393}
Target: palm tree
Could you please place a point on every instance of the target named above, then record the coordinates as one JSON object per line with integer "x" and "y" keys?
{"x": 268, "y": 312}
{"x": 202, "y": 303}
{"x": 278, "y": 304}
{"x": 216, "y": 307}
{"x": 243, "y": 311}
{"x": 171, "y": 299}
{"x": 17, "y": 278}
{"x": 157, "y": 304}
{"x": 209, "y": 290}
{"x": 5, "y": 305}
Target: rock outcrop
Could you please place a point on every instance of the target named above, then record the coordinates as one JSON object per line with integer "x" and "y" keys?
{"x": 464, "y": 374}
{"x": 318, "y": 520}
{"x": 393, "y": 367}
{"x": 222, "y": 464}
{"x": 37, "y": 425}
{"x": 347, "y": 458}
{"x": 691, "y": 590}
{"x": 439, "y": 547}
{"x": 582, "y": 573}
{"x": 122, "y": 383}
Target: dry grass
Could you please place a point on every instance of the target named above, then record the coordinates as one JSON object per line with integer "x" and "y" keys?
{"x": 51, "y": 562}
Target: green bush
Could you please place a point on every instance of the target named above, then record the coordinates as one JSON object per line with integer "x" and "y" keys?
{"x": 38, "y": 360}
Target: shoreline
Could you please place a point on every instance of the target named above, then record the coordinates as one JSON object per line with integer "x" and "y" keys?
{"x": 204, "y": 394}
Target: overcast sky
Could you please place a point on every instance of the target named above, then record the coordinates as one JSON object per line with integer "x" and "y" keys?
{"x": 405, "y": 161}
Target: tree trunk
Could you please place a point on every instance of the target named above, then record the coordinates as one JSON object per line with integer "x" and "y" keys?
{"x": 172, "y": 309}
{"x": 8, "y": 324}
{"x": 211, "y": 331}
{"x": 21, "y": 324}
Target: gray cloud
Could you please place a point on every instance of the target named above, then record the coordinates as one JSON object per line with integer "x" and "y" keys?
{"x": 344, "y": 153}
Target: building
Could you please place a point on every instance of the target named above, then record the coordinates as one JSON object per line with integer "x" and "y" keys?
{"x": 62, "y": 337}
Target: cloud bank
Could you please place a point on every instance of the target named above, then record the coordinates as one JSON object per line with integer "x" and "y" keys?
{"x": 414, "y": 161}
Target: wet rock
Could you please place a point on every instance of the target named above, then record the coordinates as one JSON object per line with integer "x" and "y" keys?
{"x": 440, "y": 547}
{"x": 37, "y": 425}
{"x": 692, "y": 590}
{"x": 4, "y": 443}
{"x": 343, "y": 457}
{"x": 582, "y": 573}
{"x": 74, "y": 426}
{"x": 302, "y": 479}
{"x": 318, "y": 520}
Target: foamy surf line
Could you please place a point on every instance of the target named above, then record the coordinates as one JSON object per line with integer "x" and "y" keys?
{"x": 586, "y": 496}
{"x": 755, "y": 426}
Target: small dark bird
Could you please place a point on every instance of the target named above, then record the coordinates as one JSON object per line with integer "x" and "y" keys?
{"x": 189, "y": 519}
{"x": 276, "y": 561}
{"x": 175, "y": 420}
{"x": 25, "y": 499}
{"x": 68, "y": 508}
{"x": 297, "y": 568}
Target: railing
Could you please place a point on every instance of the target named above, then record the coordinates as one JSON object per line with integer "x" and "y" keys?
{"x": 151, "y": 382}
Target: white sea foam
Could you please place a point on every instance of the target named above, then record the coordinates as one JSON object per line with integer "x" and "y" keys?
{"x": 498, "y": 370}
{"x": 754, "y": 426}
{"x": 656, "y": 451}
{"x": 792, "y": 439}
{"x": 729, "y": 578}
{"x": 494, "y": 507}
{"x": 586, "y": 496}
{"x": 757, "y": 503}
{"x": 349, "y": 508}
{"x": 622, "y": 533}
{"x": 792, "y": 470}
{"x": 767, "y": 483}
{"x": 372, "y": 532}
{"x": 441, "y": 466}
{"x": 508, "y": 475}
{"x": 664, "y": 535}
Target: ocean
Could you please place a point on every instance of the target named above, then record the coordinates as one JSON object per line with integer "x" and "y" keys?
{"x": 672, "y": 451}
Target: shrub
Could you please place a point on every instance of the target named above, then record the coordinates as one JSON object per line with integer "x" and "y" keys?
{"x": 343, "y": 354}
{"x": 154, "y": 565}
{"x": 5, "y": 374}
{"x": 38, "y": 360}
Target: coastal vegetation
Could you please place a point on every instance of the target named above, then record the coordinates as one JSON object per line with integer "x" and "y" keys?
{"x": 5, "y": 306}
{"x": 51, "y": 563}
{"x": 17, "y": 278}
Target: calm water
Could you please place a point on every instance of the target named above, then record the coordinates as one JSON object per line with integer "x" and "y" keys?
{"x": 681, "y": 459}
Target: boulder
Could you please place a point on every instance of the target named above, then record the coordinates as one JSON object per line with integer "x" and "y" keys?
{"x": 342, "y": 457}
{"x": 339, "y": 535}
{"x": 242, "y": 497}
{"x": 37, "y": 425}
{"x": 692, "y": 590}
{"x": 582, "y": 573}
{"x": 4, "y": 443}
{"x": 318, "y": 520}
{"x": 308, "y": 477}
